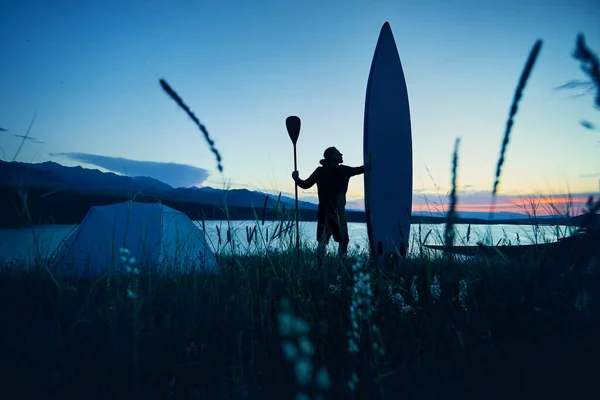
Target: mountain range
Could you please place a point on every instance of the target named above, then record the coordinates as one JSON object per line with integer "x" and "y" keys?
{"x": 67, "y": 193}
{"x": 56, "y": 177}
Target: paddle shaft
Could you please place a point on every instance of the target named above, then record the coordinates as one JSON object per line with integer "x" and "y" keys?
{"x": 297, "y": 215}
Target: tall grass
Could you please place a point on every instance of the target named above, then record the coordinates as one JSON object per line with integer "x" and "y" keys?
{"x": 449, "y": 231}
{"x": 590, "y": 65}
{"x": 24, "y": 138}
{"x": 513, "y": 110}
{"x": 189, "y": 112}
{"x": 510, "y": 122}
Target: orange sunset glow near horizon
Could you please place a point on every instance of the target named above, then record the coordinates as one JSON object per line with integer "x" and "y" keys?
{"x": 540, "y": 205}
{"x": 543, "y": 206}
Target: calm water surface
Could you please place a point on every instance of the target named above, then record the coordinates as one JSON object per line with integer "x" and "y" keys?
{"x": 43, "y": 240}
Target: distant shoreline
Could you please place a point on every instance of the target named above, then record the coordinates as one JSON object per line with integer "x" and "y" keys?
{"x": 70, "y": 207}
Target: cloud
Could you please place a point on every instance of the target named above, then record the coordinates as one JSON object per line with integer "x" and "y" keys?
{"x": 596, "y": 175}
{"x": 176, "y": 175}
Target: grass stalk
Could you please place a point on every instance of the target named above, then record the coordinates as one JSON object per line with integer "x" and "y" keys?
{"x": 513, "y": 112}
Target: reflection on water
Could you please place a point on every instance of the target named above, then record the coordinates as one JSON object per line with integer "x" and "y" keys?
{"x": 43, "y": 240}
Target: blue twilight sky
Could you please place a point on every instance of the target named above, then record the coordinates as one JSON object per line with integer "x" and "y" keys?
{"x": 89, "y": 71}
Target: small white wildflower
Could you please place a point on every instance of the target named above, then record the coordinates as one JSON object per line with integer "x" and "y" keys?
{"x": 435, "y": 288}
{"x": 191, "y": 350}
{"x": 351, "y": 386}
{"x": 322, "y": 379}
{"x": 306, "y": 347}
{"x": 413, "y": 289}
{"x": 353, "y": 346}
{"x": 408, "y": 310}
{"x": 304, "y": 371}
{"x": 375, "y": 305}
{"x": 335, "y": 289}
{"x": 289, "y": 350}
{"x": 389, "y": 290}
{"x": 132, "y": 270}
{"x": 398, "y": 300}
{"x": 352, "y": 382}
{"x": 285, "y": 324}
{"x": 582, "y": 300}
{"x": 361, "y": 307}
{"x": 462, "y": 294}
{"x": 300, "y": 327}
{"x": 124, "y": 253}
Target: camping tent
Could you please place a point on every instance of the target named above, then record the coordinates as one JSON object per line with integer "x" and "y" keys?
{"x": 159, "y": 237}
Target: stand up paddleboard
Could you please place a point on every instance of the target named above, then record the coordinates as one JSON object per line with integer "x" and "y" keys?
{"x": 387, "y": 152}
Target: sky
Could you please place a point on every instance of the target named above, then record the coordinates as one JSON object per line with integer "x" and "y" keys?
{"x": 87, "y": 74}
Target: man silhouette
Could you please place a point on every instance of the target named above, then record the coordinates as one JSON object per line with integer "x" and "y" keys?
{"x": 332, "y": 183}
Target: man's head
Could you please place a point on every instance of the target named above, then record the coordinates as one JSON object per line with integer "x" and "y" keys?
{"x": 333, "y": 156}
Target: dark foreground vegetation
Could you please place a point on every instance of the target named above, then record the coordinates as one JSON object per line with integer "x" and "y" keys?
{"x": 434, "y": 327}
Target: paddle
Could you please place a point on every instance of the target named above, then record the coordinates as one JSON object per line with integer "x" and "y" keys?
{"x": 292, "y": 123}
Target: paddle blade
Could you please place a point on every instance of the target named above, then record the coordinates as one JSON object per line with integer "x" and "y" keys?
{"x": 292, "y": 123}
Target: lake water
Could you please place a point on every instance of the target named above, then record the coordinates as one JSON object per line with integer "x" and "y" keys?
{"x": 43, "y": 240}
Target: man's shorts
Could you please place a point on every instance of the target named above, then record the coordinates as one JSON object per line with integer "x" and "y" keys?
{"x": 332, "y": 225}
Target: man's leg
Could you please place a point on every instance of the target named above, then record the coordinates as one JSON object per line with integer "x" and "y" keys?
{"x": 341, "y": 236}
{"x": 323, "y": 236}
{"x": 321, "y": 252}
{"x": 343, "y": 249}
